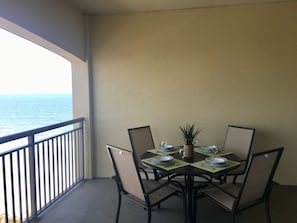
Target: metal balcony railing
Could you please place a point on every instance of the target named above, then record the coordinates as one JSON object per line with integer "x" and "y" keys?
{"x": 37, "y": 167}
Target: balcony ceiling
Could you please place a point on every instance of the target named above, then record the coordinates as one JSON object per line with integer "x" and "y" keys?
{"x": 97, "y": 7}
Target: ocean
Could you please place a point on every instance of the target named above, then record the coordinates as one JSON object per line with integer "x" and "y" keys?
{"x": 29, "y": 111}
{"x": 20, "y": 113}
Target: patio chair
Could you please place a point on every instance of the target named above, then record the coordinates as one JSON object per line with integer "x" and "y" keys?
{"x": 141, "y": 139}
{"x": 148, "y": 193}
{"x": 239, "y": 141}
{"x": 256, "y": 186}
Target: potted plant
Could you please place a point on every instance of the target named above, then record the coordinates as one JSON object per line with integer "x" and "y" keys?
{"x": 189, "y": 133}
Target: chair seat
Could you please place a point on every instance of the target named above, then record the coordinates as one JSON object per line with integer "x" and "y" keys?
{"x": 221, "y": 197}
{"x": 158, "y": 195}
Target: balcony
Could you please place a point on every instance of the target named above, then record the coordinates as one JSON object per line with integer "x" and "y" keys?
{"x": 39, "y": 167}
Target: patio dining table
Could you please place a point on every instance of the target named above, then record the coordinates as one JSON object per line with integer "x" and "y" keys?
{"x": 190, "y": 167}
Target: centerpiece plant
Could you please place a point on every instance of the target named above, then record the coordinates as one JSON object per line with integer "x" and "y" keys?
{"x": 189, "y": 133}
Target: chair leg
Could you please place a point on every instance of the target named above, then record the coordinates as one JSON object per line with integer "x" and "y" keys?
{"x": 267, "y": 207}
{"x": 146, "y": 175}
{"x": 234, "y": 179}
{"x": 149, "y": 214}
{"x": 156, "y": 176}
{"x": 234, "y": 217}
{"x": 223, "y": 179}
{"x": 184, "y": 205}
{"x": 119, "y": 207}
{"x": 195, "y": 205}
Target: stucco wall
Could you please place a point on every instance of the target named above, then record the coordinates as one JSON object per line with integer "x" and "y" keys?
{"x": 218, "y": 66}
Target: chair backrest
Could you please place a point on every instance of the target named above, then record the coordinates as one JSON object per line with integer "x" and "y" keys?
{"x": 239, "y": 141}
{"x": 258, "y": 179}
{"x": 126, "y": 171}
{"x": 141, "y": 139}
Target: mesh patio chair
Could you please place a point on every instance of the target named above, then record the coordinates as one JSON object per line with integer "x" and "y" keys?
{"x": 148, "y": 193}
{"x": 239, "y": 141}
{"x": 256, "y": 186}
{"x": 141, "y": 139}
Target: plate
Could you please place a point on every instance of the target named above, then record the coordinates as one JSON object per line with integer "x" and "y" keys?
{"x": 163, "y": 160}
{"x": 166, "y": 147}
{"x": 216, "y": 161}
{"x": 208, "y": 149}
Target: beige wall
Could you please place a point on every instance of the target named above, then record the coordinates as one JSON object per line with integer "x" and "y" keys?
{"x": 217, "y": 66}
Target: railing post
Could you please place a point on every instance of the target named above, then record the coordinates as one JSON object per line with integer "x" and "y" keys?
{"x": 81, "y": 140}
{"x": 32, "y": 178}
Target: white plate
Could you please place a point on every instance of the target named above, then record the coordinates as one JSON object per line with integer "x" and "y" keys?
{"x": 208, "y": 149}
{"x": 164, "y": 160}
{"x": 216, "y": 161}
{"x": 166, "y": 147}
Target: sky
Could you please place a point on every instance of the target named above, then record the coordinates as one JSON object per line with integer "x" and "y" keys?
{"x": 27, "y": 68}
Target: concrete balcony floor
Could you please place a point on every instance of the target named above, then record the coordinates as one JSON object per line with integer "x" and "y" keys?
{"x": 96, "y": 201}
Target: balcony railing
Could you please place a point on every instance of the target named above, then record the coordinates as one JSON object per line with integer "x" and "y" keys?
{"x": 38, "y": 167}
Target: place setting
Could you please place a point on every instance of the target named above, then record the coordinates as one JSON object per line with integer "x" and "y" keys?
{"x": 166, "y": 162}
{"x": 215, "y": 164}
{"x": 211, "y": 150}
{"x": 165, "y": 149}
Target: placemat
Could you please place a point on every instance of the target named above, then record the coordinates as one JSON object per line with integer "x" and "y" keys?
{"x": 164, "y": 152}
{"x": 214, "y": 169}
{"x": 173, "y": 165}
{"x": 220, "y": 153}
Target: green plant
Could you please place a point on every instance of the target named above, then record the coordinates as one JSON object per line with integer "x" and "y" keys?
{"x": 189, "y": 132}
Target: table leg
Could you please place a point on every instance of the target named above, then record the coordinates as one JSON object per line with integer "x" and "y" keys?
{"x": 189, "y": 196}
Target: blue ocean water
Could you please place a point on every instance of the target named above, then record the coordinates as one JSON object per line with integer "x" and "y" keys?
{"x": 29, "y": 111}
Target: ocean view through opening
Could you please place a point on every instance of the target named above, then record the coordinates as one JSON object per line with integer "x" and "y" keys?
{"x": 35, "y": 86}
{"x": 35, "y": 91}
